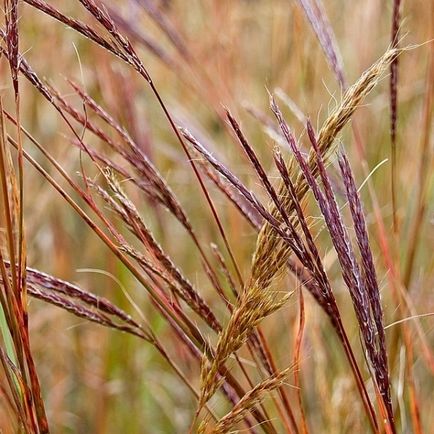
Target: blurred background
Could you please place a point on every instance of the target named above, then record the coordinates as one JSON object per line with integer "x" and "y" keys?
{"x": 203, "y": 56}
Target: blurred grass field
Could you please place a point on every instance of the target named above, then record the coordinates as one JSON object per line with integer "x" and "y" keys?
{"x": 229, "y": 54}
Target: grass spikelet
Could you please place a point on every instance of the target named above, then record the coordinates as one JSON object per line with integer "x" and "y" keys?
{"x": 317, "y": 17}
{"x": 272, "y": 252}
{"x": 182, "y": 286}
{"x": 78, "y": 26}
{"x": 254, "y": 305}
{"x": 362, "y": 286}
{"x": 379, "y": 356}
{"x": 249, "y": 400}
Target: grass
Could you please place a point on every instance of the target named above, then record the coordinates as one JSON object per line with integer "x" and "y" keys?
{"x": 239, "y": 194}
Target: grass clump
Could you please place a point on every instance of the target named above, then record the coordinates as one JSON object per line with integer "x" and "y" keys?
{"x": 210, "y": 230}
